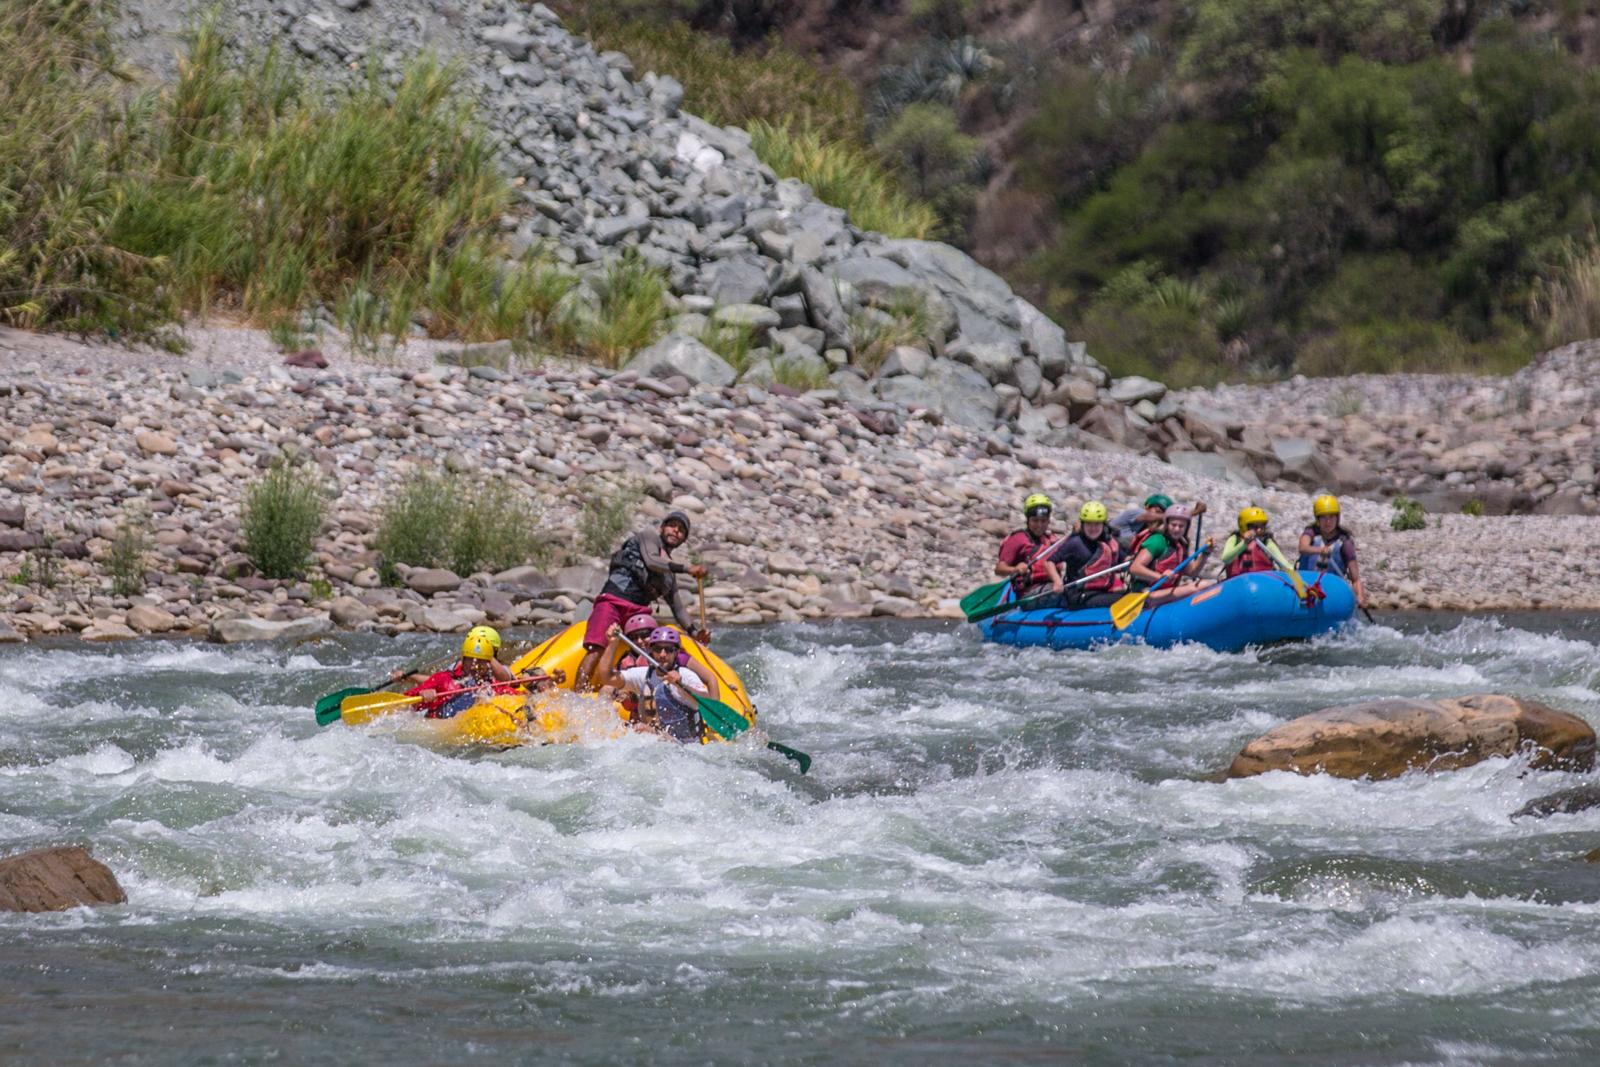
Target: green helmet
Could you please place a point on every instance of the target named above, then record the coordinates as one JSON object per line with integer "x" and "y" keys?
{"x": 1158, "y": 500}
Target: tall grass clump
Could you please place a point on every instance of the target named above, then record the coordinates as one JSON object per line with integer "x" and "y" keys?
{"x": 283, "y": 512}
{"x": 437, "y": 519}
{"x": 1566, "y": 304}
{"x": 606, "y": 513}
{"x": 125, "y": 563}
{"x": 66, "y": 144}
{"x": 878, "y": 332}
{"x": 844, "y": 175}
{"x": 630, "y": 306}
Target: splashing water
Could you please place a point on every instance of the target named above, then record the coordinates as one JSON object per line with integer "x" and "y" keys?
{"x": 999, "y": 854}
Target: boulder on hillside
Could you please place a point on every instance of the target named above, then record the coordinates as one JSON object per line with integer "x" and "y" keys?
{"x": 1386, "y": 738}
{"x": 1228, "y": 466}
{"x": 55, "y": 879}
{"x": 683, "y": 356}
{"x": 1302, "y": 462}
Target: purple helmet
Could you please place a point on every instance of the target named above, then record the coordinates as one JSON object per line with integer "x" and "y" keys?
{"x": 664, "y": 635}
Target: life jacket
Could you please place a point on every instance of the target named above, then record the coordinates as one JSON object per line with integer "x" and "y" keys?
{"x": 1177, "y": 552}
{"x": 680, "y": 720}
{"x": 1251, "y": 560}
{"x": 628, "y": 578}
{"x": 1037, "y": 575}
{"x": 1108, "y": 553}
{"x": 454, "y": 678}
{"x": 1140, "y": 538}
{"x": 1337, "y": 563}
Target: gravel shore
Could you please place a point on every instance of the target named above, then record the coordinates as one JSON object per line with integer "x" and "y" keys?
{"x": 813, "y": 506}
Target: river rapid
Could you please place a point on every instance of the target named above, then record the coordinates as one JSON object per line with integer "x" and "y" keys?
{"x": 999, "y": 855}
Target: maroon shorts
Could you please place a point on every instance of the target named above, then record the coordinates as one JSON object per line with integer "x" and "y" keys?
{"x": 608, "y": 609}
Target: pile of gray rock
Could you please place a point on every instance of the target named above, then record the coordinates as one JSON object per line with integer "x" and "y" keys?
{"x": 608, "y": 161}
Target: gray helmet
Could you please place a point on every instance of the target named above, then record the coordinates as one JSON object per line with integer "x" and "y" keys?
{"x": 680, "y": 518}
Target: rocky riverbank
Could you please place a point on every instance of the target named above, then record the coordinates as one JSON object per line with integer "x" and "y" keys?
{"x": 812, "y": 506}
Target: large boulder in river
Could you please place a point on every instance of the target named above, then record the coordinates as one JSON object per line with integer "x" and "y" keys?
{"x": 55, "y": 879}
{"x": 249, "y": 628}
{"x": 1386, "y": 738}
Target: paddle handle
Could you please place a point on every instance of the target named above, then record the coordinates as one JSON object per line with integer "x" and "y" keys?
{"x": 700, "y": 588}
{"x": 521, "y": 680}
{"x": 1176, "y": 570}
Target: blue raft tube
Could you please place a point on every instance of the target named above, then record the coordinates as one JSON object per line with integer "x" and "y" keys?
{"x": 1253, "y": 609}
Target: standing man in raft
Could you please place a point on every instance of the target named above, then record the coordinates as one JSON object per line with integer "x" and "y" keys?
{"x": 642, "y": 572}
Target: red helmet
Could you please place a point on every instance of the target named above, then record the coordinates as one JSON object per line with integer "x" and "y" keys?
{"x": 665, "y": 635}
{"x": 642, "y": 621}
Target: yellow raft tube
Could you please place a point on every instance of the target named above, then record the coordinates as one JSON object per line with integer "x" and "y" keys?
{"x": 557, "y": 716}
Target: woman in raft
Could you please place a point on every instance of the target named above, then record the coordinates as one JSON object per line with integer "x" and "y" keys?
{"x": 1161, "y": 553}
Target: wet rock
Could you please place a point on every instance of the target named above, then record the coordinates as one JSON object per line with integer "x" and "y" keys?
{"x": 1565, "y": 802}
{"x": 348, "y": 611}
{"x": 1386, "y": 738}
{"x": 55, "y": 879}
{"x": 150, "y": 620}
{"x": 249, "y": 628}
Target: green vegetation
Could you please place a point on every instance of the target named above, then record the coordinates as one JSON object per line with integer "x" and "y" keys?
{"x": 282, "y": 515}
{"x": 801, "y": 375}
{"x": 1473, "y": 507}
{"x": 38, "y": 569}
{"x": 607, "y": 511}
{"x": 734, "y": 342}
{"x": 629, "y": 308}
{"x": 1341, "y": 193}
{"x": 1408, "y": 515}
{"x": 852, "y": 177}
{"x": 468, "y": 524}
{"x": 878, "y": 332}
{"x": 125, "y": 563}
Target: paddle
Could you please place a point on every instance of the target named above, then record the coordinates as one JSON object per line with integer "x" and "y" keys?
{"x": 1272, "y": 549}
{"x": 327, "y": 707}
{"x": 1124, "y": 611}
{"x": 987, "y": 596}
{"x": 724, "y": 721}
{"x": 1001, "y": 609}
{"x": 363, "y": 706}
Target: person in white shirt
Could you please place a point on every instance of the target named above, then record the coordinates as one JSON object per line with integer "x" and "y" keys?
{"x": 666, "y": 688}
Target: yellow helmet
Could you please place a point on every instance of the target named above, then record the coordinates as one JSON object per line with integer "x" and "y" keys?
{"x": 488, "y": 632}
{"x": 1250, "y": 516}
{"x": 1093, "y": 511}
{"x": 1326, "y": 504}
{"x": 478, "y": 644}
{"x": 1035, "y": 502}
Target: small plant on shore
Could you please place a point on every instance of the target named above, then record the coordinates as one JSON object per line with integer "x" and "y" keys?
{"x": 321, "y": 589}
{"x": 607, "y": 511}
{"x": 628, "y": 315}
{"x": 282, "y": 515}
{"x": 1408, "y": 515}
{"x": 734, "y": 342}
{"x": 802, "y": 375}
{"x": 908, "y": 322}
{"x": 1345, "y": 402}
{"x": 436, "y": 519}
{"x": 1473, "y": 507}
{"x": 125, "y": 563}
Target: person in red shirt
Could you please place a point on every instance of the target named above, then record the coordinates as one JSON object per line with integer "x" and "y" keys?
{"x": 1023, "y": 552}
{"x": 474, "y": 671}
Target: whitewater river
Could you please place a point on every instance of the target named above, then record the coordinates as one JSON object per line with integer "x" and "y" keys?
{"x": 998, "y": 856}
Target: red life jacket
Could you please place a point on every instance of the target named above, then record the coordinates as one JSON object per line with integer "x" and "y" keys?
{"x": 1250, "y": 561}
{"x": 1177, "y": 552}
{"x": 1109, "y": 556}
{"x": 1040, "y": 551}
{"x": 1139, "y": 540}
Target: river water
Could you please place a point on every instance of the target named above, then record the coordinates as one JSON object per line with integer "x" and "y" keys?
{"x": 999, "y": 855}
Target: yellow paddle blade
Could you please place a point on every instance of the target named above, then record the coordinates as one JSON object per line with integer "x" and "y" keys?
{"x": 1124, "y": 611}
{"x": 1294, "y": 576}
{"x": 368, "y": 706}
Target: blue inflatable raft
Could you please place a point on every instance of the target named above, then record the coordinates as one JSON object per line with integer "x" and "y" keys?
{"x": 1252, "y": 609}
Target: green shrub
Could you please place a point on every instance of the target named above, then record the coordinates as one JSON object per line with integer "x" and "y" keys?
{"x": 844, "y": 175}
{"x": 1473, "y": 507}
{"x": 926, "y": 144}
{"x": 1408, "y": 515}
{"x": 907, "y": 322}
{"x": 126, "y": 561}
{"x": 1566, "y": 301}
{"x": 628, "y": 315}
{"x": 607, "y": 512}
{"x": 465, "y": 523}
{"x": 282, "y": 515}
{"x": 799, "y": 374}
{"x": 734, "y": 342}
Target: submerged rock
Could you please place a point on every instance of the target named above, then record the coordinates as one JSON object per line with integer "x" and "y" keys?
{"x": 1386, "y": 738}
{"x": 1564, "y": 802}
{"x": 250, "y": 628}
{"x": 54, "y": 879}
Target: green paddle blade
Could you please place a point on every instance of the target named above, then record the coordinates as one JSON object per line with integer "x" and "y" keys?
{"x": 983, "y": 598}
{"x": 328, "y": 706}
{"x": 723, "y": 721}
{"x": 792, "y": 753}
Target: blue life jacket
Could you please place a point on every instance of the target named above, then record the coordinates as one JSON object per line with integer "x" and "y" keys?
{"x": 1335, "y": 562}
{"x": 680, "y": 720}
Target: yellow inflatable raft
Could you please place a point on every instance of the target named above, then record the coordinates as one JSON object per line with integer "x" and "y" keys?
{"x": 557, "y": 716}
